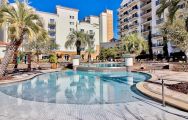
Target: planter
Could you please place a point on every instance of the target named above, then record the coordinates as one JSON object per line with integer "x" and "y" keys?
{"x": 76, "y": 61}
{"x": 54, "y": 66}
{"x": 129, "y": 59}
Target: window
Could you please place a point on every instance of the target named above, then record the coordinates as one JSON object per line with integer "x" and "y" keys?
{"x": 52, "y": 34}
{"x": 71, "y": 29}
{"x": 52, "y": 21}
{"x": 71, "y": 17}
{"x": 91, "y": 32}
{"x": 82, "y": 30}
{"x": 71, "y": 23}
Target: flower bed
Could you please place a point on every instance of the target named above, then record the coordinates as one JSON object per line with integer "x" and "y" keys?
{"x": 180, "y": 67}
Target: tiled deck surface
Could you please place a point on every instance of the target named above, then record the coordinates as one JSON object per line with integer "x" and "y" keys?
{"x": 172, "y": 97}
{"x": 144, "y": 109}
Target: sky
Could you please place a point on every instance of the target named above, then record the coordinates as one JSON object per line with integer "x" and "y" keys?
{"x": 86, "y": 7}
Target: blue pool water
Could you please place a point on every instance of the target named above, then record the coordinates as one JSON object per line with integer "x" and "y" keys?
{"x": 77, "y": 87}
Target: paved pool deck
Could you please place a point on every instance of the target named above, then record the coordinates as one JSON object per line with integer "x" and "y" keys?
{"x": 142, "y": 109}
{"x": 154, "y": 88}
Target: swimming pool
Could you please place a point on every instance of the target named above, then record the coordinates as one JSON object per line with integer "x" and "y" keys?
{"x": 77, "y": 87}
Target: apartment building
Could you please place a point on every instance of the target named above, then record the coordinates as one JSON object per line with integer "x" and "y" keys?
{"x": 106, "y": 26}
{"x": 139, "y": 16}
{"x": 60, "y": 24}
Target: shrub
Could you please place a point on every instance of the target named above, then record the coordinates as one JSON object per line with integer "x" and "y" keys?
{"x": 53, "y": 58}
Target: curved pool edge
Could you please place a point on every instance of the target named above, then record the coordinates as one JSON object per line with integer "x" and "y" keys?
{"x": 103, "y": 69}
{"x": 28, "y": 77}
{"x": 142, "y": 87}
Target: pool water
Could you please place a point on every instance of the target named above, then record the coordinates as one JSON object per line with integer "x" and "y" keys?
{"x": 77, "y": 87}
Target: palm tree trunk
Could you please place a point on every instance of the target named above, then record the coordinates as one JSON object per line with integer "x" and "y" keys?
{"x": 15, "y": 61}
{"x": 11, "y": 49}
{"x": 89, "y": 57}
{"x": 186, "y": 24}
{"x": 165, "y": 47}
{"x": 150, "y": 45}
{"x": 78, "y": 51}
{"x": 37, "y": 57}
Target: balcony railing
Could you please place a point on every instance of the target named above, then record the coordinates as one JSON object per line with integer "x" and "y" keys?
{"x": 52, "y": 23}
{"x": 51, "y": 30}
{"x": 133, "y": 25}
{"x": 146, "y": 21}
{"x": 135, "y": 16}
{"x": 146, "y": 12}
{"x": 156, "y": 35}
{"x": 145, "y": 30}
{"x": 144, "y": 4}
{"x": 157, "y": 45}
{"x": 133, "y": 10}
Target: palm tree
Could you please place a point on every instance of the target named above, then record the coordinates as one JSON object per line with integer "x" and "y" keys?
{"x": 90, "y": 51}
{"x": 22, "y": 22}
{"x": 77, "y": 39}
{"x": 172, "y": 6}
{"x": 3, "y": 2}
{"x": 134, "y": 44}
{"x": 178, "y": 35}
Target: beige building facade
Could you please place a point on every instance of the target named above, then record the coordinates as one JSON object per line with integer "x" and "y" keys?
{"x": 60, "y": 24}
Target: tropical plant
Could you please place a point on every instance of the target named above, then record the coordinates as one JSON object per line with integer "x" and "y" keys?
{"x": 90, "y": 50}
{"x": 22, "y": 22}
{"x": 107, "y": 53}
{"x": 172, "y": 7}
{"x": 53, "y": 58}
{"x": 3, "y": 2}
{"x": 178, "y": 34}
{"x": 134, "y": 44}
{"x": 41, "y": 45}
{"x": 77, "y": 39}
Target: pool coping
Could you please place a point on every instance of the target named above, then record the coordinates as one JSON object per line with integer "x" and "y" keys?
{"x": 172, "y": 101}
{"x": 28, "y": 77}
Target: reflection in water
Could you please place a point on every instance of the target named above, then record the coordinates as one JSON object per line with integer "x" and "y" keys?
{"x": 77, "y": 87}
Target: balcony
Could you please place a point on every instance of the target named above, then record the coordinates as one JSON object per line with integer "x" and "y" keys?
{"x": 157, "y": 45}
{"x": 145, "y": 5}
{"x": 133, "y": 25}
{"x": 133, "y": 11}
{"x": 135, "y": 16}
{"x": 145, "y": 30}
{"x": 147, "y": 21}
{"x": 156, "y": 35}
{"x": 51, "y": 30}
{"x": 146, "y": 13}
{"x": 159, "y": 21}
{"x": 133, "y": 2}
{"x": 52, "y": 23}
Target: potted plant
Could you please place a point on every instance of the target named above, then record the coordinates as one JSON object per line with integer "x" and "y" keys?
{"x": 53, "y": 61}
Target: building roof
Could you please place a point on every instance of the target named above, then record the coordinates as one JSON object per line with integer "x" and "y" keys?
{"x": 67, "y": 8}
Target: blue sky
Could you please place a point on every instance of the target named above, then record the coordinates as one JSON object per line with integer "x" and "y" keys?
{"x": 86, "y": 7}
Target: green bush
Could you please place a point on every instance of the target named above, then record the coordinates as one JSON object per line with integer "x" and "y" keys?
{"x": 53, "y": 58}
